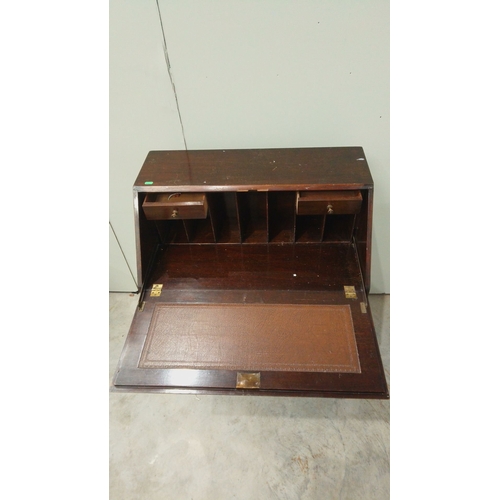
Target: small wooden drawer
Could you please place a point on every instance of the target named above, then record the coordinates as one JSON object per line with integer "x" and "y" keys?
{"x": 328, "y": 202}
{"x": 162, "y": 206}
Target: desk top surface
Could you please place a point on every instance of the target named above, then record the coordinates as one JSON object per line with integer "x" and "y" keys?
{"x": 255, "y": 169}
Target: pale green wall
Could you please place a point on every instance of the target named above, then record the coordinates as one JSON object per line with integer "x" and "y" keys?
{"x": 248, "y": 74}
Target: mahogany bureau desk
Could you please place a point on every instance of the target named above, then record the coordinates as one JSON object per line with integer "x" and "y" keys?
{"x": 254, "y": 270}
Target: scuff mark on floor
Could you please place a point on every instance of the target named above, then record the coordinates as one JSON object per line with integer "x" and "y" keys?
{"x": 302, "y": 462}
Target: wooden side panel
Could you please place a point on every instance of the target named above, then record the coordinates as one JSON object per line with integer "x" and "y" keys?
{"x": 147, "y": 239}
{"x": 363, "y": 236}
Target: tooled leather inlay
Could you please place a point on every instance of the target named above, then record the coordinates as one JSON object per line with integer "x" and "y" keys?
{"x": 259, "y": 337}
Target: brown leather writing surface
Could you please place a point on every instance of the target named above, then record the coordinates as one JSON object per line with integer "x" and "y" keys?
{"x": 263, "y": 337}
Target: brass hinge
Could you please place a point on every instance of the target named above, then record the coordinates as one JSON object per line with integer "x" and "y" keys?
{"x": 156, "y": 290}
{"x": 350, "y": 292}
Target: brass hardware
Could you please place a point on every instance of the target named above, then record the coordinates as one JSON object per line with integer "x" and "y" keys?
{"x": 248, "y": 380}
{"x": 350, "y": 292}
{"x": 156, "y": 290}
{"x": 362, "y": 305}
{"x": 175, "y": 213}
{"x": 329, "y": 209}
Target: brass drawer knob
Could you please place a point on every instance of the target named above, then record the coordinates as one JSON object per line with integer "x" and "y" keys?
{"x": 329, "y": 209}
{"x": 175, "y": 213}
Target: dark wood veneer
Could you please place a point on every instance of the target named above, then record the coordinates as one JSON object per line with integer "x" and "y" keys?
{"x": 248, "y": 243}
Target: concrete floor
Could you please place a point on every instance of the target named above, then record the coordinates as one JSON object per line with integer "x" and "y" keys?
{"x": 221, "y": 447}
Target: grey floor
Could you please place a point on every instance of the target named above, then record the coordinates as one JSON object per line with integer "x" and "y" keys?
{"x": 221, "y": 447}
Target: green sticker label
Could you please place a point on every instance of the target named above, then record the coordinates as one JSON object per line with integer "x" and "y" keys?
{"x": 148, "y": 182}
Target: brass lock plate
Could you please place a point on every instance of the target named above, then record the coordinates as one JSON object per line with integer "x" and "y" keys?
{"x": 350, "y": 292}
{"x": 248, "y": 380}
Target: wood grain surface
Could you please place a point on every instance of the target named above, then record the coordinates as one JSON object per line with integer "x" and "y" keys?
{"x": 236, "y": 169}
